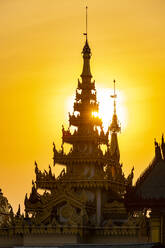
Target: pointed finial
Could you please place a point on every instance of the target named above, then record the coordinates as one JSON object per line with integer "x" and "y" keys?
{"x": 156, "y": 143}
{"x": 18, "y": 211}
{"x": 114, "y": 89}
{"x": 114, "y": 95}
{"x": 87, "y": 20}
{"x": 86, "y": 33}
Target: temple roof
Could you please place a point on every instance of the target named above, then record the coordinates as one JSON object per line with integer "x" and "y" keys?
{"x": 149, "y": 190}
{"x": 153, "y": 185}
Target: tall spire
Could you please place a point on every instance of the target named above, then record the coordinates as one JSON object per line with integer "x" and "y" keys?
{"x": 86, "y": 53}
{"x": 114, "y": 127}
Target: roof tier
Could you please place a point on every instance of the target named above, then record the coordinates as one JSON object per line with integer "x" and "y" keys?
{"x": 85, "y": 95}
{"x": 86, "y": 107}
{"x": 80, "y": 121}
{"x": 78, "y": 137}
{"x": 86, "y": 85}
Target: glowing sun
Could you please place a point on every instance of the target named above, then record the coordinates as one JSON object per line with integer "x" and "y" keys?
{"x": 106, "y": 106}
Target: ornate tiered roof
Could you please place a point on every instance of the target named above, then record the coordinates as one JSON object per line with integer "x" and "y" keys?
{"x": 88, "y": 170}
{"x": 150, "y": 187}
{"x": 87, "y": 198}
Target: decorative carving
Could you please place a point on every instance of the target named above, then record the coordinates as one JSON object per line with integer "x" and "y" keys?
{"x": 158, "y": 155}
{"x": 70, "y": 214}
{"x": 130, "y": 177}
{"x": 163, "y": 147}
{"x": 5, "y": 210}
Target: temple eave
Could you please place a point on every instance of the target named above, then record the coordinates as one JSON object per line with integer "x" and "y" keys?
{"x": 73, "y": 139}
{"x": 83, "y": 184}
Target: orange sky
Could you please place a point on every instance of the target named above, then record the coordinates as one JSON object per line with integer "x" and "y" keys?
{"x": 40, "y": 61}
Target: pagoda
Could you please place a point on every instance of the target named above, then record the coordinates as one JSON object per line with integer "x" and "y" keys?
{"x": 88, "y": 195}
{"x": 85, "y": 203}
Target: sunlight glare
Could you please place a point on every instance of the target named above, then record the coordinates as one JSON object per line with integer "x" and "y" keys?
{"x": 106, "y": 107}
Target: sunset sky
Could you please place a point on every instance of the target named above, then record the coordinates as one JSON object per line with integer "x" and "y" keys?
{"x": 40, "y": 61}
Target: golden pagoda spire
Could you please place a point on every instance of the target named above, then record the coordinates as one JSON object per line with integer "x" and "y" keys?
{"x": 114, "y": 127}
{"x": 86, "y": 53}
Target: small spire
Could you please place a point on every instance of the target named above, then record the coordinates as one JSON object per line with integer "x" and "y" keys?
{"x": 114, "y": 127}
{"x": 114, "y": 95}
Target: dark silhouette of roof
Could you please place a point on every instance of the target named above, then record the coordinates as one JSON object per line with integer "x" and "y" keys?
{"x": 149, "y": 190}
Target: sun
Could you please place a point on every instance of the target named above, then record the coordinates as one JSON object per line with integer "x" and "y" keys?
{"x": 106, "y": 106}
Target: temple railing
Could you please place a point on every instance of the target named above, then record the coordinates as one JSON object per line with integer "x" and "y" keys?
{"x": 28, "y": 227}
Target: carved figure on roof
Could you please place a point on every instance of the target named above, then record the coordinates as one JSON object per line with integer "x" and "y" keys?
{"x": 62, "y": 148}
{"x": 62, "y": 173}
{"x": 36, "y": 167}
{"x": 18, "y": 214}
{"x": 158, "y": 155}
{"x": 50, "y": 172}
{"x": 37, "y": 172}
{"x": 163, "y": 147}
{"x": 130, "y": 177}
{"x": 54, "y": 148}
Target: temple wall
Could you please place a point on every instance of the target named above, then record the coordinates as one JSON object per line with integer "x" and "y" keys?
{"x": 43, "y": 240}
{"x": 155, "y": 223}
{"x": 114, "y": 240}
{"x": 8, "y": 242}
{"x": 38, "y": 240}
{"x": 49, "y": 239}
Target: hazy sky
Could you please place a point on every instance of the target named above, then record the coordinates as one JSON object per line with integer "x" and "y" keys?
{"x": 40, "y": 61}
